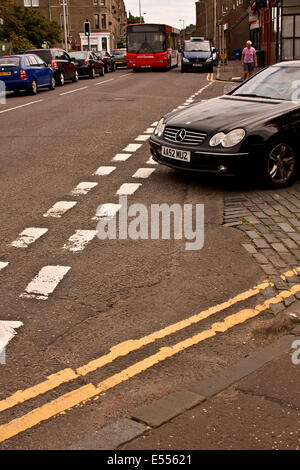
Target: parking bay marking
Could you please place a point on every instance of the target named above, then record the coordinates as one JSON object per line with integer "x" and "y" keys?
{"x": 59, "y": 208}
{"x": 86, "y": 392}
{"x": 29, "y": 236}
{"x": 3, "y": 264}
{"x": 79, "y": 240}
{"x": 106, "y": 81}
{"x": 125, "y": 348}
{"x": 20, "y": 106}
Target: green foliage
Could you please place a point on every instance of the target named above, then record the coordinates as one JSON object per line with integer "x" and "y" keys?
{"x": 134, "y": 19}
{"x": 27, "y": 28}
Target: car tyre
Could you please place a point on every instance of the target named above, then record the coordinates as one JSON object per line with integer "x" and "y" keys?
{"x": 93, "y": 73}
{"x": 61, "y": 80}
{"x": 278, "y": 166}
{"x": 52, "y": 84}
{"x": 76, "y": 77}
{"x": 33, "y": 88}
{"x": 102, "y": 72}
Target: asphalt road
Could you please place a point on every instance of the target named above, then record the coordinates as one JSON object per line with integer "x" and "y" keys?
{"x": 112, "y": 291}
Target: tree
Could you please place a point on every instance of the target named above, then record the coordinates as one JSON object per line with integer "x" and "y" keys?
{"x": 27, "y": 28}
{"x": 134, "y": 19}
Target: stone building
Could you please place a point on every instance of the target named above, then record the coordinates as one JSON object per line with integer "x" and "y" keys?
{"x": 107, "y": 18}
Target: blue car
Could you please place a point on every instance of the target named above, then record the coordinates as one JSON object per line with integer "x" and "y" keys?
{"x": 25, "y": 72}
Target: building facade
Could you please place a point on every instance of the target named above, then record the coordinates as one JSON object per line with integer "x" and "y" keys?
{"x": 108, "y": 21}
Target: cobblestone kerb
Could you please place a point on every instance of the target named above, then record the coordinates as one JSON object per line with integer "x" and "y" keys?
{"x": 271, "y": 220}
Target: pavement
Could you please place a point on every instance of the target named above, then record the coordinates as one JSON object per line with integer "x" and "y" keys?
{"x": 252, "y": 405}
{"x": 230, "y": 71}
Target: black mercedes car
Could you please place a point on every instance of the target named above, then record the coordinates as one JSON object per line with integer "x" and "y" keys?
{"x": 254, "y": 128}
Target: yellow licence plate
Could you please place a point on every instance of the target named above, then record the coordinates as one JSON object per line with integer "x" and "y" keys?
{"x": 75, "y": 63}
{"x": 5, "y": 73}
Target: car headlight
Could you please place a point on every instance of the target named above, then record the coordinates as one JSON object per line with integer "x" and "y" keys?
{"x": 217, "y": 139}
{"x": 233, "y": 138}
{"x": 227, "y": 140}
{"x": 184, "y": 59}
{"x": 159, "y": 130}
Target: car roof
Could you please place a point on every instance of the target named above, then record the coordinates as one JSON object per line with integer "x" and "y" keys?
{"x": 288, "y": 63}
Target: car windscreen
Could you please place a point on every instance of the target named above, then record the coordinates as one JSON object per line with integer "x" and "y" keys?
{"x": 9, "y": 61}
{"x": 197, "y": 46}
{"x": 78, "y": 55}
{"x": 146, "y": 42}
{"x": 121, "y": 53}
{"x": 43, "y": 54}
{"x": 277, "y": 82}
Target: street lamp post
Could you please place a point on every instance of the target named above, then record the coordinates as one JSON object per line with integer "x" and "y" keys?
{"x": 65, "y": 25}
{"x": 140, "y": 10}
{"x": 182, "y": 23}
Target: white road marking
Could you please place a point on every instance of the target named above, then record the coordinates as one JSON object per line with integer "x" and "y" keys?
{"x": 3, "y": 264}
{"x": 83, "y": 188}
{"x": 121, "y": 157}
{"x": 106, "y": 81}
{"x": 143, "y": 173}
{"x": 151, "y": 161}
{"x": 132, "y": 147}
{"x": 128, "y": 188}
{"x": 142, "y": 138}
{"x": 28, "y": 236}
{"x": 7, "y": 332}
{"x": 154, "y": 124}
{"x": 59, "y": 208}
{"x": 150, "y": 130}
{"x": 21, "y": 106}
{"x": 104, "y": 170}
{"x": 79, "y": 240}
{"x": 45, "y": 282}
{"x": 107, "y": 211}
{"x": 73, "y": 91}
{"x": 181, "y": 107}
{"x": 126, "y": 75}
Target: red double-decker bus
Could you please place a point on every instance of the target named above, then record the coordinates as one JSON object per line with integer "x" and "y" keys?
{"x": 152, "y": 46}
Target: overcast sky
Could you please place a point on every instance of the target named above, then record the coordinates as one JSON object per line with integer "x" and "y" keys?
{"x": 165, "y": 11}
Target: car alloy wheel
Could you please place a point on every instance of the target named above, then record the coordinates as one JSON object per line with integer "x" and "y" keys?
{"x": 61, "y": 79}
{"x": 52, "y": 84}
{"x": 281, "y": 164}
{"x": 76, "y": 77}
{"x": 33, "y": 89}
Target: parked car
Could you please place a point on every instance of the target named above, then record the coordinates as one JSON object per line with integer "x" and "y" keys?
{"x": 87, "y": 63}
{"x": 25, "y": 72}
{"x": 197, "y": 54}
{"x": 107, "y": 59}
{"x": 254, "y": 129}
{"x": 119, "y": 56}
{"x": 61, "y": 63}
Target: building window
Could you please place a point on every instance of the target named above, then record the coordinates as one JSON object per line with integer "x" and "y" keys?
{"x": 97, "y": 22}
{"x": 103, "y": 21}
{"x": 65, "y": 2}
{"x": 95, "y": 2}
{"x": 102, "y": 2}
{"x": 31, "y": 3}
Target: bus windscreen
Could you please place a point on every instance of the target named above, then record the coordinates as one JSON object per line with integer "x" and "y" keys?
{"x": 140, "y": 42}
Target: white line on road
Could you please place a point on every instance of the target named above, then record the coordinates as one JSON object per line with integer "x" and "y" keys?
{"x": 121, "y": 157}
{"x": 150, "y": 130}
{"x": 60, "y": 208}
{"x": 28, "y": 236}
{"x": 106, "y": 81}
{"x": 79, "y": 240}
{"x": 21, "y": 106}
{"x": 154, "y": 124}
{"x": 45, "y": 282}
{"x": 126, "y": 75}
{"x": 151, "y": 162}
{"x": 73, "y": 91}
{"x": 107, "y": 211}
{"x": 3, "y": 264}
{"x": 128, "y": 188}
{"x": 143, "y": 173}
{"x": 132, "y": 147}
{"x": 104, "y": 170}
{"x": 7, "y": 331}
{"x": 142, "y": 138}
{"x": 83, "y": 188}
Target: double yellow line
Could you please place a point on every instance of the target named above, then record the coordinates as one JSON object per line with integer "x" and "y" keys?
{"x": 80, "y": 395}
